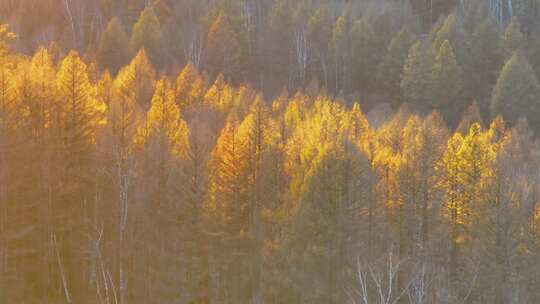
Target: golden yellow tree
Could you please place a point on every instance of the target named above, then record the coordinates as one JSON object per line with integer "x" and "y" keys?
{"x": 227, "y": 209}
{"x": 465, "y": 169}
{"x": 189, "y": 89}
{"x": 137, "y": 80}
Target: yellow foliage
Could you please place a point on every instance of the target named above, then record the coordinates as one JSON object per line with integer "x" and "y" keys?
{"x": 466, "y": 168}
{"x": 189, "y": 87}
{"x": 163, "y": 120}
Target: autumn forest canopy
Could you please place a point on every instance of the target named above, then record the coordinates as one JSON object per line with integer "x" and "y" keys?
{"x": 269, "y": 151}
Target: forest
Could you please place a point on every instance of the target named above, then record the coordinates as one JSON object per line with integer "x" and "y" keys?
{"x": 269, "y": 152}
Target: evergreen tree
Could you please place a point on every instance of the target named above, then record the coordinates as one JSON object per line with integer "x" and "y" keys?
{"x": 486, "y": 61}
{"x": 513, "y": 39}
{"x": 447, "y": 87}
{"x": 389, "y": 71}
{"x": 223, "y": 49}
{"x": 417, "y": 78}
{"x": 366, "y": 57}
{"x": 516, "y": 92}
{"x": 113, "y": 51}
{"x": 146, "y": 35}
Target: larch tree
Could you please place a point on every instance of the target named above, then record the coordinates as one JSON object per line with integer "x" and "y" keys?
{"x": 260, "y": 135}
{"x": 6, "y": 37}
{"x": 164, "y": 143}
{"x": 322, "y": 232}
{"x": 464, "y": 169}
{"x": 43, "y": 86}
{"x": 218, "y": 99}
{"x": 189, "y": 88}
{"x": 137, "y": 80}
{"x": 77, "y": 117}
{"x": 228, "y": 213}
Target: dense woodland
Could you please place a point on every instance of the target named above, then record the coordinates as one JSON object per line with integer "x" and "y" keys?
{"x": 269, "y": 151}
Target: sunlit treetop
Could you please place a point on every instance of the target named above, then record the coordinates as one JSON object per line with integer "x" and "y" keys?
{"x": 6, "y": 37}
{"x": 163, "y": 121}
{"x": 190, "y": 87}
{"x": 137, "y": 80}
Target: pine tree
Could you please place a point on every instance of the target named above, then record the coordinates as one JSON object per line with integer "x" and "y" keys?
{"x": 447, "y": 76}
{"x": 223, "y": 50}
{"x": 389, "y": 71}
{"x": 340, "y": 51}
{"x": 365, "y": 55}
{"x": 146, "y": 35}
{"x": 516, "y": 92}
{"x": 513, "y": 39}
{"x": 113, "y": 51}
{"x": 486, "y": 61}
{"x": 417, "y": 78}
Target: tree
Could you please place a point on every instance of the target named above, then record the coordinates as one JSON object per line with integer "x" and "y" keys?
{"x": 223, "y": 49}
{"x": 486, "y": 62}
{"x": 320, "y": 236}
{"x": 189, "y": 89}
{"x": 365, "y": 58}
{"x": 340, "y": 50}
{"x": 6, "y": 37}
{"x": 163, "y": 141}
{"x": 448, "y": 86}
{"x": 389, "y": 71}
{"x": 136, "y": 81}
{"x": 516, "y": 92}
{"x": 464, "y": 169}
{"x": 77, "y": 117}
{"x": 146, "y": 35}
{"x": 417, "y": 77}
{"x": 513, "y": 39}
{"x": 113, "y": 51}
{"x": 229, "y": 214}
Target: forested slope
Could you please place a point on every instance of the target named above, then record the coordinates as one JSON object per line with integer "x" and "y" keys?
{"x": 367, "y": 153}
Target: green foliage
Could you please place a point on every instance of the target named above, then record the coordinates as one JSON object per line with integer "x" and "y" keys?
{"x": 417, "y": 77}
{"x": 513, "y": 39}
{"x": 447, "y": 76}
{"x": 516, "y": 92}
{"x": 113, "y": 51}
{"x": 223, "y": 49}
{"x": 389, "y": 71}
{"x": 146, "y": 35}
